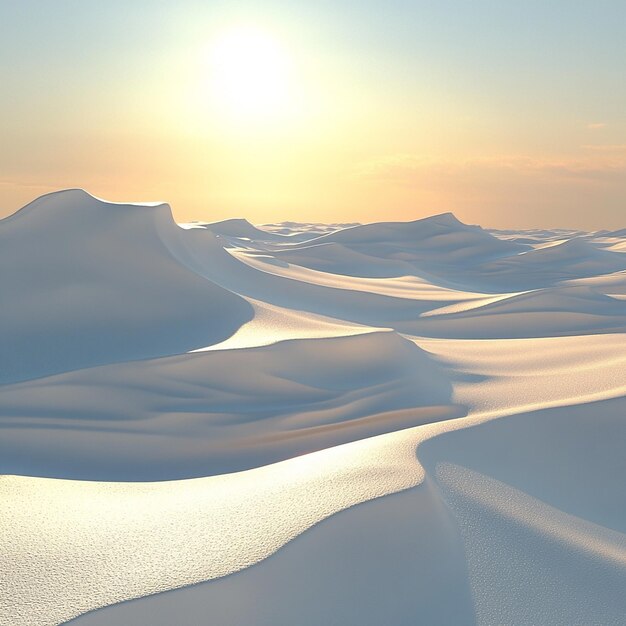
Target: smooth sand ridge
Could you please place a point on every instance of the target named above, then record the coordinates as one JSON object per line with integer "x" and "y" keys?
{"x": 86, "y": 282}
{"x": 567, "y": 310}
{"x": 242, "y": 229}
{"x": 424, "y": 248}
{"x": 530, "y": 477}
{"x": 218, "y": 411}
{"x": 271, "y": 324}
{"x": 404, "y": 286}
{"x": 204, "y": 253}
{"x": 452, "y": 253}
{"x": 75, "y": 546}
{"x": 525, "y": 559}
{"x": 582, "y": 526}
{"x": 333, "y": 560}
{"x": 379, "y": 465}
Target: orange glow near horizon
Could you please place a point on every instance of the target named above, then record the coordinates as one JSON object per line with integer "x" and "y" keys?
{"x": 318, "y": 114}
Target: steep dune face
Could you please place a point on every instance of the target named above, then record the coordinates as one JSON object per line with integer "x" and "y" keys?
{"x": 543, "y": 491}
{"x": 420, "y": 358}
{"x": 86, "y": 282}
{"x": 204, "y": 253}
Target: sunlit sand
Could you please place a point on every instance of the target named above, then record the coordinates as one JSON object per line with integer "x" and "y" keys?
{"x": 374, "y": 424}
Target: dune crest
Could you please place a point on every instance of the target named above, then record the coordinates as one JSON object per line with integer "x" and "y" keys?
{"x": 87, "y": 282}
{"x": 380, "y": 423}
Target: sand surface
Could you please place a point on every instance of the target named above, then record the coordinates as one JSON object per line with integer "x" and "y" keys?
{"x": 229, "y": 424}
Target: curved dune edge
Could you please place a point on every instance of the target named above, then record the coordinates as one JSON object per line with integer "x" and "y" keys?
{"x": 474, "y": 540}
{"x": 336, "y": 554}
{"x": 86, "y": 538}
{"x": 99, "y": 283}
{"x": 85, "y": 535}
{"x": 217, "y": 412}
{"x": 294, "y": 344}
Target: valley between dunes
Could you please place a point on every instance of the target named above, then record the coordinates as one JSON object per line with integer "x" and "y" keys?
{"x": 226, "y": 424}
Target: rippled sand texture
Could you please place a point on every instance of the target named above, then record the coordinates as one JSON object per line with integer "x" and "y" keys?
{"x": 393, "y": 423}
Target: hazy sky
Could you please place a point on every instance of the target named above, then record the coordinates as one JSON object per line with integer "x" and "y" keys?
{"x": 509, "y": 113}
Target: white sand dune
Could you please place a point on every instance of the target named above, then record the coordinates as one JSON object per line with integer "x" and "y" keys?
{"x": 526, "y": 561}
{"x": 569, "y": 310}
{"x": 339, "y": 570}
{"x": 394, "y": 423}
{"x": 426, "y": 247}
{"x": 238, "y": 228}
{"x": 219, "y": 411}
{"x": 573, "y": 258}
{"x": 337, "y": 258}
{"x": 86, "y": 282}
{"x": 439, "y": 235}
{"x": 301, "y": 231}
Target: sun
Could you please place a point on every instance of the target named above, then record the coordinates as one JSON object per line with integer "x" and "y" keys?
{"x": 250, "y": 75}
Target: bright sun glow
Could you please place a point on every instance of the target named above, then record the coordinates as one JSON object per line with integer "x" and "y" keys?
{"x": 250, "y": 75}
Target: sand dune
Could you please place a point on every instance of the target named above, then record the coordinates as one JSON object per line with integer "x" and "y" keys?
{"x": 220, "y": 411}
{"x": 238, "y": 228}
{"x": 340, "y": 259}
{"x": 86, "y": 282}
{"x": 425, "y": 247}
{"x": 305, "y": 424}
{"x": 571, "y": 310}
{"x": 570, "y": 259}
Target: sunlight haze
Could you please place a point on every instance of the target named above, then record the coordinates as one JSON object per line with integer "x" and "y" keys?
{"x": 507, "y": 114}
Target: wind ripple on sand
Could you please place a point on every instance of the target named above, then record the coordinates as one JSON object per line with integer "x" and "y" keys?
{"x": 310, "y": 339}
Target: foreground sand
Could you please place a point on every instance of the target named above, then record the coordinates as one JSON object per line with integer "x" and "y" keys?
{"x": 391, "y": 423}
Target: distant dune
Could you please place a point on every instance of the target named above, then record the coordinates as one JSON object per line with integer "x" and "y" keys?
{"x": 389, "y": 423}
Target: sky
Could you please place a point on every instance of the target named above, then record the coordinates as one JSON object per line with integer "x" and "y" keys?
{"x": 509, "y": 114}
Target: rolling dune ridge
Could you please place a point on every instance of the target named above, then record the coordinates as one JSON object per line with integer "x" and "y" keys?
{"x": 396, "y": 423}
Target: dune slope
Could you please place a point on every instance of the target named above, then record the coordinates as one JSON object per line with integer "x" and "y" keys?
{"x": 86, "y": 282}
{"x": 219, "y": 411}
{"x": 394, "y": 423}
